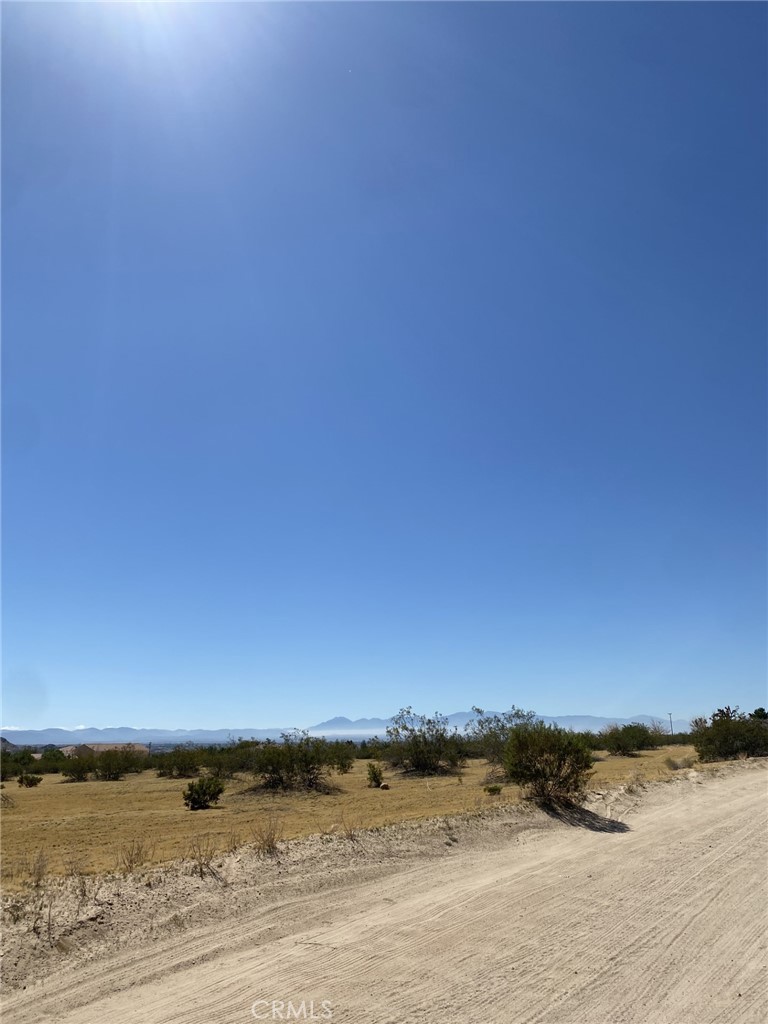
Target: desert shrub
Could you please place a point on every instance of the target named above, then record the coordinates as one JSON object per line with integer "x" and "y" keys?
{"x": 550, "y": 762}
{"x": 626, "y": 740}
{"x": 679, "y": 739}
{"x": 52, "y": 761}
{"x": 493, "y": 789}
{"x": 375, "y": 775}
{"x": 108, "y": 766}
{"x": 226, "y": 761}
{"x": 300, "y": 761}
{"x": 729, "y": 734}
{"x": 205, "y": 791}
{"x": 15, "y": 762}
{"x": 760, "y": 714}
{"x": 133, "y": 761}
{"x": 424, "y": 745}
{"x": 342, "y": 756}
{"x": 179, "y": 763}
{"x": 368, "y": 750}
{"x": 30, "y": 781}
{"x": 489, "y": 734}
{"x": 77, "y": 769}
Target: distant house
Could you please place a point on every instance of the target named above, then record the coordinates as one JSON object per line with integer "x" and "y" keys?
{"x": 77, "y": 750}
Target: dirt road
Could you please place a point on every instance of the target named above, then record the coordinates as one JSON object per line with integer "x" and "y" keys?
{"x": 656, "y": 919}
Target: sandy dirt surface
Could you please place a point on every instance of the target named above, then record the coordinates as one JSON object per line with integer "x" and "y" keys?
{"x": 649, "y": 907}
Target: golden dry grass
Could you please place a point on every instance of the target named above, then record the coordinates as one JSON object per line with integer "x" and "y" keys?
{"x": 92, "y": 823}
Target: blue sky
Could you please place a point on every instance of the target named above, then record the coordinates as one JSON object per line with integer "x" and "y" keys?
{"x": 367, "y": 355}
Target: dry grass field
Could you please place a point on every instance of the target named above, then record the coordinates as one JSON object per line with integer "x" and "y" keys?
{"x": 646, "y": 907}
{"x": 86, "y": 825}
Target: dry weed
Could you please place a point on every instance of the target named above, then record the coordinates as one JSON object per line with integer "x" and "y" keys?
{"x": 38, "y": 868}
{"x": 349, "y": 829}
{"x": 266, "y": 835}
{"x": 676, "y": 764}
{"x": 133, "y": 854}
{"x": 201, "y": 851}
{"x": 233, "y": 840}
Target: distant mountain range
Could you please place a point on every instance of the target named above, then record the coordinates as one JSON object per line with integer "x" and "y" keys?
{"x": 334, "y": 728}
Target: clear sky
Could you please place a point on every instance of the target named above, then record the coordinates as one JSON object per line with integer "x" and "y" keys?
{"x": 362, "y": 355}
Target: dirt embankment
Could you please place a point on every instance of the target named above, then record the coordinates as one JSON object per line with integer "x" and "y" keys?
{"x": 646, "y": 907}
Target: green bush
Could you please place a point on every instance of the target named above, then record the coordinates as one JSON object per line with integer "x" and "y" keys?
{"x": 201, "y": 794}
{"x": 179, "y": 763}
{"x": 108, "y": 766}
{"x": 489, "y": 734}
{"x": 493, "y": 789}
{"x": 300, "y": 761}
{"x": 424, "y": 746}
{"x": 77, "y": 769}
{"x": 626, "y": 740}
{"x": 375, "y": 775}
{"x": 728, "y": 734}
{"x": 15, "y": 762}
{"x": 549, "y": 762}
{"x": 30, "y": 781}
{"x": 226, "y": 761}
{"x": 52, "y": 761}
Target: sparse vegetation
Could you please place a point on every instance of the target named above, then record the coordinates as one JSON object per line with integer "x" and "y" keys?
{"x": 494, "y": 789}
{"x": 549, "y": 762}
{"x": 375, "y": 774}
{"x": 91, "y": 819}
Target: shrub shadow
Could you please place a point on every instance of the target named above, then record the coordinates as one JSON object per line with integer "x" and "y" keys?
{"x": 581, "y": 817}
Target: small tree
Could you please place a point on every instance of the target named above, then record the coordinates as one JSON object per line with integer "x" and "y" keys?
{"x": 375, "y": 775}
{"x": 550, "y": 762}
{"x": 490, "y": 734}
{"x": 423, "y": 745}
{"x": 204, "y": 792}
{"x": 108, "y": 766}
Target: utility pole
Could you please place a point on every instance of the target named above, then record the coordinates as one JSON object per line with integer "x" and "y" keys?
{"x": 671, "y": 730}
